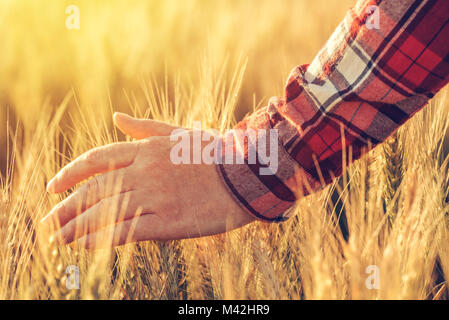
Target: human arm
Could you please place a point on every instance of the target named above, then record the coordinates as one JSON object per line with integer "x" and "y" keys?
{"x": 362, "y": 83}
{"x": 365, "y": 83}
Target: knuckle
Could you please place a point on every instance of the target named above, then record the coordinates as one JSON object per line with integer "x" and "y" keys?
{"x": 93, "y": 186}
{"x": 135, "y": 148}
{"x": 62, "y": 207}
{"x": 148, "y": 143}
{"x": 131, "y": 182}
{"x": 102, "y": 205}
{"x": 92, "y": 156}
{"x": 149, "y": 139}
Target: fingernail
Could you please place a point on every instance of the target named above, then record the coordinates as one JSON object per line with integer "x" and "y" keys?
{"x": 44, "y": 219}
{"x": 51, "y": 186}
{"x": 121, "y": 114}
{"x": 118, "y": 116}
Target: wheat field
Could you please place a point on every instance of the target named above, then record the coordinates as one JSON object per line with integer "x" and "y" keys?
{"x": 214, "y": 62}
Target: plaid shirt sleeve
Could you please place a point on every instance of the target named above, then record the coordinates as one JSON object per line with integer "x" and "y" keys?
{"x": 364, "y": 83}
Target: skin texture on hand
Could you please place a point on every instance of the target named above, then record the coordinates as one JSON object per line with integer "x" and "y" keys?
{"x": 134, "y": 193}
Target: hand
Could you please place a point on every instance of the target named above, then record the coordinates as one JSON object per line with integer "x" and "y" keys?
{"x": 136, "y": 193}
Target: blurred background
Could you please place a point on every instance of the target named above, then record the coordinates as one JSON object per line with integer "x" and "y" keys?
{"x": 122, "y": 45}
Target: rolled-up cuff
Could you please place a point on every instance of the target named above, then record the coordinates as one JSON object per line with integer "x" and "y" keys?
{"x": 267, "y": 188}
{"x": 266, "y": 197}
{"x": 252, "y": 195}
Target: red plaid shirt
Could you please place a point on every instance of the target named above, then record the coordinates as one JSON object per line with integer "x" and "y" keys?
{"x": 363, "y": 84}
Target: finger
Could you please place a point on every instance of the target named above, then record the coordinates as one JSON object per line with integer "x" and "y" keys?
{"x": 133, "y": 230}
{"x": 142, "y": 128}
{"x": 112, "y": 210}
{"x": 95, "y": 161}
{"x": 91, "y": 192}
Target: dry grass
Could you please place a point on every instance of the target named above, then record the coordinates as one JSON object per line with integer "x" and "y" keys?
{"x": 209, "y": 61}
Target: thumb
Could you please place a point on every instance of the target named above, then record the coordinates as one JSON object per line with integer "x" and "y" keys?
{"x": 141, "y": 128}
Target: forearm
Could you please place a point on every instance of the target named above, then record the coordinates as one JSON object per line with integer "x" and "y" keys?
{"x": 362, "y": 85}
